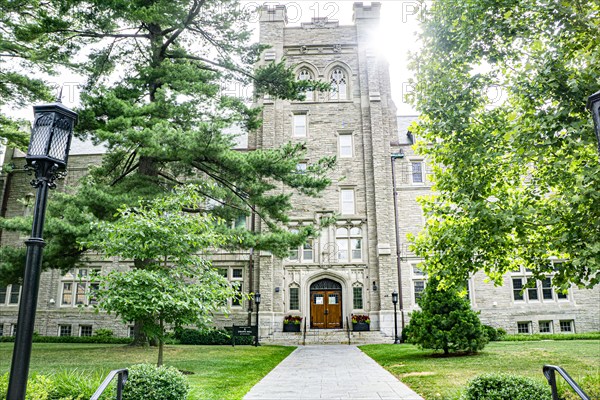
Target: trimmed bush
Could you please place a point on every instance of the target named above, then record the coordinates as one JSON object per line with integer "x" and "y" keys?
{"x": 551, "y": 336}
{"x": 589, "y": 383}
{"x": 210, "y": 337}
{"x": 494, "y": 334}
{"x": 506, "y": 387}
{"x": 73, "y": 339}
{"x": 147, "y": 382}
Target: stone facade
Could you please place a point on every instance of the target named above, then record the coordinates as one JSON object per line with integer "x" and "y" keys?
{"x": 364, "y": 251}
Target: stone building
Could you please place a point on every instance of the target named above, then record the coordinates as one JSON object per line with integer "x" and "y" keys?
{"x": 353, "y": 266}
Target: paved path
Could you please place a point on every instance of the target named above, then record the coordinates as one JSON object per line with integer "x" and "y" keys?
{"x": 329, "y": 372}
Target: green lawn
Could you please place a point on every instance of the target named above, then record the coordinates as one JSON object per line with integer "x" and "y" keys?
{"x": 219, "y": 372}
{"x": 436, "y": 377}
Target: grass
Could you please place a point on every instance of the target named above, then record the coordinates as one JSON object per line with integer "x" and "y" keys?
{"x": 436, "y": 377}
{"x": 219, "y": 372}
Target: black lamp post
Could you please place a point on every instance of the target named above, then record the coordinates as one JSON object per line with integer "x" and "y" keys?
{"x": 395, "y": 301}
{"x": 47, "y": 158}
{"x": 593, "y": 104}
{"x": 257, "y": 302}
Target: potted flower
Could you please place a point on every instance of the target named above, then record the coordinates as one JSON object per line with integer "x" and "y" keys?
{"x": 360, "y": 322}
{"x": 291, "y": 323}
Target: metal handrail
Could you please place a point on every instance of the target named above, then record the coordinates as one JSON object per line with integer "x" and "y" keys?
{"x": 304, "y": 333}
{"x": 121, "y": 375}
{"x": 549, "y": 373}
{"x": 348, "y": 330}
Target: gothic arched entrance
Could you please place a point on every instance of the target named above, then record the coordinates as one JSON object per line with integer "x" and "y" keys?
{"x": 326, "y": 304}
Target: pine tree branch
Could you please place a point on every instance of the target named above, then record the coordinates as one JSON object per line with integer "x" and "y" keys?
{"x": 197, "y": 58}
{"x": 194, "y": 11}
{"x": 125, "y": 174}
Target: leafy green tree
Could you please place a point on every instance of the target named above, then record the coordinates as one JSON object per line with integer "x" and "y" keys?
{"x": 445, "y": 322}
{"x": 176, "y": 286}
{"x": 501, "y": 88}
{"x": 153, "y": 98}
{"x": 30, "y": 45}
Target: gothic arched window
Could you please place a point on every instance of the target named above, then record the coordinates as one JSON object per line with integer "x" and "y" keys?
{"x": 339, "y": 84}
{"x": 306, "y": 75}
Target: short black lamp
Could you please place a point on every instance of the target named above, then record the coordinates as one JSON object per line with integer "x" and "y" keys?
{"x": 46, "y": 157}
{"x": 395, "y": 301}
{"x": 257, "y": 302}
{"x": 593, "y": 104}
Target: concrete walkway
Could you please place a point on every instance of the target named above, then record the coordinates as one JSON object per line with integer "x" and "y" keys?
{"x": 329, "y": 372}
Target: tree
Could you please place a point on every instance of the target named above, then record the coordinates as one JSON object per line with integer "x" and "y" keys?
{"x": 516, "y": 176}
{"x": 153, "y": 98}
{"x": 176, "y": 286}
{"x": 445, "y": 322}
{"x": 30, "y": 45}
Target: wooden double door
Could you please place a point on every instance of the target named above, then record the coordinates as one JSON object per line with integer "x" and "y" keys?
{"x": 326, "y": 309}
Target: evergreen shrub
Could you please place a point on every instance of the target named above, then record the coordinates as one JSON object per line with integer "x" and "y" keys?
{"x": 147, "y": 382}
{"x": 506, "y": 387}
{"x": 210, "y": 337}
{"x": 73, "y": 339}
{"x": 445, "y": 322}
{"x": 494, "y": 334}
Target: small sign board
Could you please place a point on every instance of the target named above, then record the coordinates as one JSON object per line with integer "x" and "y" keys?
{"x": 247, "y": 330}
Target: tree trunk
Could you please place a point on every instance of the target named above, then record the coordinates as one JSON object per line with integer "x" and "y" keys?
{"x": 161, "y": 344}
{"x": 139, "y": 337}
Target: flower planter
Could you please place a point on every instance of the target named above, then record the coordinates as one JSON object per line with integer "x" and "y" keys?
{"x": 360, "y": 327}
{"x": 291, "y": 327}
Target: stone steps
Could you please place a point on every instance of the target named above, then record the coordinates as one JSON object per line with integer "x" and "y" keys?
{"x": 327, "y": 336}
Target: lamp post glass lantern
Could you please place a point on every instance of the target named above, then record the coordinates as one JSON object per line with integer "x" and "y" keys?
{"x": 257, "y": 301}
{"x": 395, "y": 301}
{"x": 593, "y": 104}
{"x": 47, "y": 158}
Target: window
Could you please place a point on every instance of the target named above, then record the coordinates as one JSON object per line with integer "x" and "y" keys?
{"x": 9, "y": 295}
{"x": 562, "y": 296}
{"x": 301, "y": 167}
{"x": 545, "y": 326}
{"x": 339, "y": 85}
{"x": 523, "y": 327}
{"x": 303, "y": 253}
{"x": 239, "y": 222}
{"x": 417, "y": 172}
{"x": 85, "y": 330}
{"x": 419, "y": 288}
{"x": 235, "y": 276}
{"x": 299, "y": 128}
{"x": 517, "y": 287}
{"x": 345, "y": 146}
{"x": 305, "y": 75}
{"x": 131, "y": 332}
{"x": 347, "y": 197}
{"x": 64, "y": 330}
{"x": 294, "y": 298}
{"x": 77, "y": 289}
{"x": 1, "y": 329}
{"x": 547, "y": 289}
{"x": 357, "y": 297}
{"x": 532, "y": 293}
{"x": 349, "y": 244}
{"x": 566, "y": 326}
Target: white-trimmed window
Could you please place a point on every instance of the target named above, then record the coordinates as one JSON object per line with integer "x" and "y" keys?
{"x": 419, "y": 279}
{"x": 349, "y": 244}
{"x": 524, "y": 327}
{"x": 85, "y": 330}
{"x": 345, "y": 147}
{"x": 64, "y": 330}
{"x": 357, "y": 297}
{"x": 545, "y": 326}
{"x": 299, "y": 125}
{"x": 567, "y": 326}
{"x": 347, "y": 202}
{"x": 306, "y": 75}
{"x": 339, "y": 84}
{"x": 294, "y": 298}
{"x": 417, "y": 171}
{"x": 235, "y": 276}
{"x": 76, "y": 288}
{"x": 526, "y": 289}
{"x": 10, "y": 295}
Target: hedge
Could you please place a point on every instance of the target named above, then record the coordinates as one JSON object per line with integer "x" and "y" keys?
{"x": 551, "y": 336}
{"x": 210, "y": 337}
{"x": 72, "y": 339}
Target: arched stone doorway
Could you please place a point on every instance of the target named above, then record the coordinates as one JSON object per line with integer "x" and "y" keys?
{"x": 326, "y": 304}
